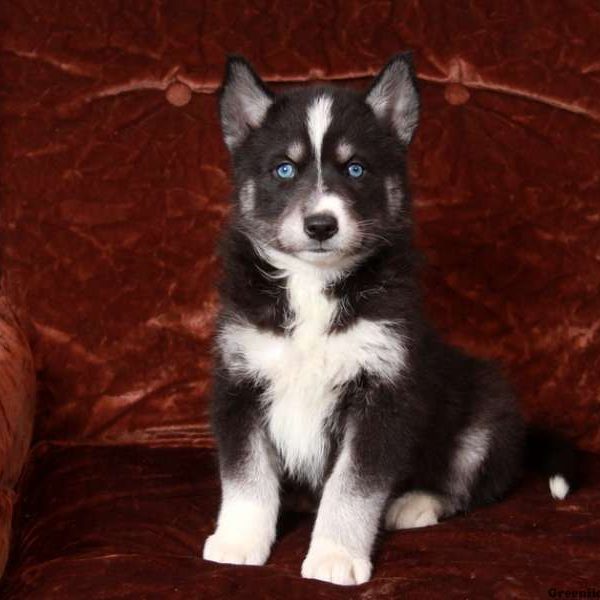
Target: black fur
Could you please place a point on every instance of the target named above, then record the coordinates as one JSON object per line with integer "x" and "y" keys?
{"x": 407, "y": 432}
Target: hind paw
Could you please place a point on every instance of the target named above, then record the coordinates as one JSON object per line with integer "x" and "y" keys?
{"x": 413, "y": 509}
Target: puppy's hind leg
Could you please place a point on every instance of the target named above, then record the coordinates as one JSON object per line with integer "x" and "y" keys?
{"x": 416, "y": 508}
{"x": 419, "y": 508}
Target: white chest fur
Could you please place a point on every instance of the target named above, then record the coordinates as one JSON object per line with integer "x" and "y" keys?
{"x": 305, "y": 368}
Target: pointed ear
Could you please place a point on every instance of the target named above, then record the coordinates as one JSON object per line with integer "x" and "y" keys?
{"x": 394, "y": 98}
{"x": 243, "y": 101}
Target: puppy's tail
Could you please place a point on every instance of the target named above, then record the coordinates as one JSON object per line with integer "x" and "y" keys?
{"x": 554, "y": 457}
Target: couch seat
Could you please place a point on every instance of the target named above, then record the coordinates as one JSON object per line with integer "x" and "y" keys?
{"x": 128, "y": 522}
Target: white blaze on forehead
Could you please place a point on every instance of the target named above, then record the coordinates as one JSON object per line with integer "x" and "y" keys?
{"x": 295, "y": 151}
{"x": 318, "y": 120}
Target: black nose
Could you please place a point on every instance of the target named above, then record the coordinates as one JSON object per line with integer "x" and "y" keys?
{"x": 321, "y": 226}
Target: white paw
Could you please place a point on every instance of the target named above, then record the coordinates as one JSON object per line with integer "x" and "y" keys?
{"x": 331, "y": 562}
{"x": 413, "y": 509}
{"x": 235, "y": 551}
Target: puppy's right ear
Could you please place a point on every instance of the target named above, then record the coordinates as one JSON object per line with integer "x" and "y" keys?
{"x": 243, "y": 101}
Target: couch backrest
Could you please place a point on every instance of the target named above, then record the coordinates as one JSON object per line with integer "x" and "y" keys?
{"x": 113, "y": 197}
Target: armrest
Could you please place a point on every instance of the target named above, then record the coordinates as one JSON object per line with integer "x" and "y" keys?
{"x": 17, "y": 404}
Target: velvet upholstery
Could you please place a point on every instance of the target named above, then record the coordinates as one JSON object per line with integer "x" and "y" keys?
{"x": 17, "y": 404}
{"x": 125, "y": 521}
{"x": 114, "y": 189}
{"x": 118, "y": 195}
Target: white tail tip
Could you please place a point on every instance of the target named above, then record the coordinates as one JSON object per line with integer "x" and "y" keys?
{"x": 559, "y": 488}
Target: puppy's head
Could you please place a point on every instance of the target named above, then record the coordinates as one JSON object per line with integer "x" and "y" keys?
{"x": 319, "y": 171}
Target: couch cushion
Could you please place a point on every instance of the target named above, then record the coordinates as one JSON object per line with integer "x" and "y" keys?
{"x": 128, "y": 522}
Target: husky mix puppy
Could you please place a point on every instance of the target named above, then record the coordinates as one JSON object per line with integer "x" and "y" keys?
{"x": 328, "y": 376}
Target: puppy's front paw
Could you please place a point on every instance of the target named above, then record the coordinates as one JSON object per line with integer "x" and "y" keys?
{"x": 331, "y": 562}
{"x": 235, "y": 550}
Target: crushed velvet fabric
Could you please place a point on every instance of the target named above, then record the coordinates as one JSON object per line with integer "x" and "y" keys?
{"x": 113, "y": 195}
{"x": 114, "y": 190}
{"x": 125, "y": 523}
{"x": 17, "y": 403}
{"x": 17, "y": 395}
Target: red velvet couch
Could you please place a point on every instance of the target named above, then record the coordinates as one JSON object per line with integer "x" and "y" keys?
{"x": 114, "y": 185}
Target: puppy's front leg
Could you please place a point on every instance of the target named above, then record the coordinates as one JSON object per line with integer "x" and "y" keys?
{"x": 346, "y": 524}
{"x": 249, "y": 508}
{"x": 250, "y": 500}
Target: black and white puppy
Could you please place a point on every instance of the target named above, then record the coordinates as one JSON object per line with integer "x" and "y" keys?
{"x": 328, "y": 376}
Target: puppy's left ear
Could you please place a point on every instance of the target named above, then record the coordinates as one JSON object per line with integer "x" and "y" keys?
{"x": 394, "y": 98}
{"x": 243, "y": 101}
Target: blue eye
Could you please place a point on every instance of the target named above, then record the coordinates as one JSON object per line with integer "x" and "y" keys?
{"x": 285, "y": 170}
{"x": 355, "y": 170}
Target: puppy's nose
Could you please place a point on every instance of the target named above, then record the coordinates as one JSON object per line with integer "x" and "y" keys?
{"x": 320, "y": 226}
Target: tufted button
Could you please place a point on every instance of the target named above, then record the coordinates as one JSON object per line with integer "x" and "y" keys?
{"x": 178, "y": 94}
{"x": 456, "y": 93}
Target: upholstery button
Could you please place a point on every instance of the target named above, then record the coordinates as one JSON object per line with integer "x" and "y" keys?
{"x": 456, "y": 93}
{"x": 178, "y": 94}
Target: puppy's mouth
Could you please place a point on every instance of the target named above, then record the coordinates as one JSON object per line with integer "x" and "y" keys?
{"x": 311, "y": 249}
{"x": 315, "y": 252}
{"x": 319, "y": 250}
{"x": 323, "y": 255}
